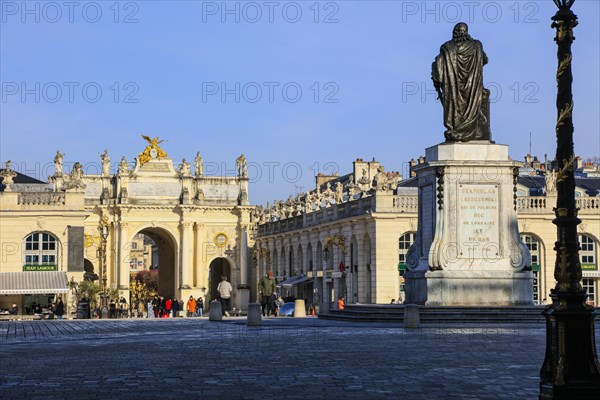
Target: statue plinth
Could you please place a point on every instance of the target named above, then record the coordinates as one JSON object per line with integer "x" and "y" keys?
{"x": 468, "y": 249}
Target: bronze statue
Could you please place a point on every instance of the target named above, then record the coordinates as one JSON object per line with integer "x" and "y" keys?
{"x": 457, "y": 75}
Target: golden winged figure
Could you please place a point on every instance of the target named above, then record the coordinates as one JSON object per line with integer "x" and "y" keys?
{"x": 153, "y": 142}
{"x": 148, "y": 153}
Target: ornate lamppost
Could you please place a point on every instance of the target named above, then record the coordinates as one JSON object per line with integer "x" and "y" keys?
{"x": 326, "y": 253}
{"x": 104, "y": 237}
{"x": 570, "y": 369}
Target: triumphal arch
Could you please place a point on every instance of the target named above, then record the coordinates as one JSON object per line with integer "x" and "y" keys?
{"x": 195, "y": 227}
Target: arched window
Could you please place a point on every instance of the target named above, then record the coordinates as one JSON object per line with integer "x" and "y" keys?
{"x": 589, "y": 266}
{"x": 533, "y": 244}
{"x": 41, "y": 249}
{"x": 404, "y": 243}
{"x": 588, "y": 250}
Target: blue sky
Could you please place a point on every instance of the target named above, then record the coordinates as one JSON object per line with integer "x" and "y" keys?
{"x": 363, "y": 69}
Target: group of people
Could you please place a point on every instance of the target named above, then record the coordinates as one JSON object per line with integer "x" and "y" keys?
{"x": 194, "y": 307}
{"x": 271, "y": 302}
{"x": 164, "y": 307}
{"x": 56, "y": 309}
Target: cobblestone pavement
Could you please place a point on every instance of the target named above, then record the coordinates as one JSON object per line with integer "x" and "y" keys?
{"x": 284, "y": 359}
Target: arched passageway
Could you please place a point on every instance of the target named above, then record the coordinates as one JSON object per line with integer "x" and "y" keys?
{"x": 161, "y": 247}
{"x": 218, "y": 268}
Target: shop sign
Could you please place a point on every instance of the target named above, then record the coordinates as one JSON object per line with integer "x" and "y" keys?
{"x": 28, "y": 268}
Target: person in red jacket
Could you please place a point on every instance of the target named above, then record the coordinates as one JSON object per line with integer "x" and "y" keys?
{"x": 168, "y": 306}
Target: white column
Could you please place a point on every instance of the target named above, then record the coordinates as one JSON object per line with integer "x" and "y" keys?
{"x": 361, "y": 273}
{"x": 124, "y": 257}
{"x": 244, "y": 257}
{"x": 186, "y": 258}
{"x": 196, "y": 277}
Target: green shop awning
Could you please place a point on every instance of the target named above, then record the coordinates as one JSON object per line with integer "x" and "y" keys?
{"x": 535, "y": 267}
{"x": 401, "y": 267}
{"x": 34, "y": 282}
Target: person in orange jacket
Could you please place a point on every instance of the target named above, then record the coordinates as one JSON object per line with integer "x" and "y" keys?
{"x": 191, "y": 307}
{"x": 341, "y": 302}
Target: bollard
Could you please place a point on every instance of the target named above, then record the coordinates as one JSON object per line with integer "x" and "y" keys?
{"x": 216, "y": 313}
{"x": 254, "y": 314}
{"x": 299, "y": 309}
{"x": 411, "y": 317}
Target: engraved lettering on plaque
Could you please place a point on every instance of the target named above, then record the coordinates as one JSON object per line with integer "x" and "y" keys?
{"x": 478, "y": 227}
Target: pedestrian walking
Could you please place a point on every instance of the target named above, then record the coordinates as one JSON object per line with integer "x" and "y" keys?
{"x": 191, "y": 307}
{"x": 168, "y": 307}
{"x": 267, "y": 286}
{"x": 59, "y": 309}
{"x": 224, "y": 288}
{"x": 199, "y": 306}
{"x": 155, "y": 306}
{"x": 175, "y": 308}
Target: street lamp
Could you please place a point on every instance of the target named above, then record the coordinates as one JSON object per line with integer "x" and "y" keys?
{"x": 104, "y": 236}
{"x": 570, "y": 369}
{"x": 326, "y": 254}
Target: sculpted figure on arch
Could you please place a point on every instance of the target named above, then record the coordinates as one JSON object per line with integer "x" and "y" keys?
{"x": 58, "y": 162}
{"x": 457, "y": 75}
{"x": 105, "y": 159}
{"x": 199, "y": 165}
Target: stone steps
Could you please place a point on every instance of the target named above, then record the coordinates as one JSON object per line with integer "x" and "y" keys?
{"x": 443, "y": 315}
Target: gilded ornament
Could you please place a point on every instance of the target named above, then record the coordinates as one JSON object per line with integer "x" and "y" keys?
{"x": 564, "y": 64}
{"x": 562, "y": 173}
{"x": 90, "y": 240}
{"x": 152, "y": 151}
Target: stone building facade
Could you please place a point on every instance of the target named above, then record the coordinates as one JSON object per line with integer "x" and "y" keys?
{"x": 203, "y": 227}
{"x": 374, "y": 218}
{"x": 199, "y": 225}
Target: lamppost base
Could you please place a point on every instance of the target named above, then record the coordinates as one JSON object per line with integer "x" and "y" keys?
{"x": 104, "y": 313}
{"x": 570, "y": 370}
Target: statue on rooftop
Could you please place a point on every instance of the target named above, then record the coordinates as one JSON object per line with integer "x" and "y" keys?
{"x": 58, "y": 162}
{"x": 199, "y": 165}
{"x": 105, "y": 159}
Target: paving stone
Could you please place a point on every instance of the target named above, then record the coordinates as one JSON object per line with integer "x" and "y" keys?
{"x": 284, "y": 359}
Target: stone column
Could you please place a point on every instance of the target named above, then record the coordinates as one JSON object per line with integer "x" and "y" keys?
{"x": 124, "y": 257}
{"x": 325, "y": 294}
{"x": 243, "y": 288}
{"x": 185, "y": 266}
{"x": 244, "y": 257}
{"x": 197, "y": 251}
{"x": 361, "y": 273}
{"x": 347, "y": 232}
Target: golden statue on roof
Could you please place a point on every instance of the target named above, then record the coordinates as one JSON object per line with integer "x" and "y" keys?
{"x": 152, "y": 151}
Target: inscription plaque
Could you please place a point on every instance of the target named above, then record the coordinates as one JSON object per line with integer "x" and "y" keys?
{"x": 478, "y": 221}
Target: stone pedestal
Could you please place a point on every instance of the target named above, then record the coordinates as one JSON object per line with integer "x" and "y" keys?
{"x": 254, "y": 315}
{"x": 415, "y": 287}
{"x": 299, "y": 309}
{"x": 412, "y": 319}
{"x": 484, "y": 288}
{"x": 216, "y": 312}
{"x": 243, "y": 294}
{"x": 468, "y": 247}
